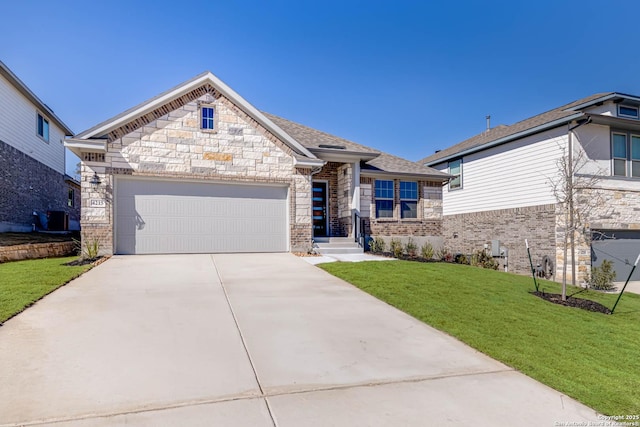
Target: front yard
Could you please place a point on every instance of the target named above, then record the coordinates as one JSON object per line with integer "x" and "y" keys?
{"x": 24, "y": 282}
{"x": 591, "y": 357}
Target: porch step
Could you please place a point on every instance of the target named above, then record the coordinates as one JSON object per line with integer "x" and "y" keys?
{"x": 336, "y": 245}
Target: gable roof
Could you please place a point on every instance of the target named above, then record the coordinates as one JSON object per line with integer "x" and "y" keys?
{"x": 377, "y": 162}
{"x": 535, "y": 124}
{"x": 24, "y": 90}
{"x": 206, "y": 78}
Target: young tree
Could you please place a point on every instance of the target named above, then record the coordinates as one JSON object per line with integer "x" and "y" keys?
{"x": 568, "y": 185}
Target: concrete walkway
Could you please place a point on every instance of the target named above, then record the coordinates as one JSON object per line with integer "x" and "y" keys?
{"x": 247, "y": 340}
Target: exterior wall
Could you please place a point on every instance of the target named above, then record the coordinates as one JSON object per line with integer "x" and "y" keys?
{"x": 26, "y": 185}
{"x": 18, "y": 129}
{"x": 174, "y": 146}
{"x": 329, "y": 173}
{"x": 593, "y": 144}
{"x": 428, "y": 223}
{"x": 512, "y": 175}
{"x": 345, "y": 179}
{"x": 469, "y": 232}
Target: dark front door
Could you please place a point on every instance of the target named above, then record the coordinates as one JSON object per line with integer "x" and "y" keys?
{"x": 319, "y": 207}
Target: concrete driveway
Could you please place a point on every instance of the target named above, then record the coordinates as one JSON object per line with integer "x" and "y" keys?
{"x": 247, "y": 340}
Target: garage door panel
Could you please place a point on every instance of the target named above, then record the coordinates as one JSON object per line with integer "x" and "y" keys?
{"x": 621, "y": 247}
{"x": 184, "y": 217}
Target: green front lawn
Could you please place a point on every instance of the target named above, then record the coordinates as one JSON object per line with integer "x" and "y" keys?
{"x": 24, "y": 282}
{"x": 592, "y": 357}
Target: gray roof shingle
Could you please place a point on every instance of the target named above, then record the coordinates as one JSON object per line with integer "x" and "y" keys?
{"x": 499, "y": 132}
{"x": 384, "y": 162}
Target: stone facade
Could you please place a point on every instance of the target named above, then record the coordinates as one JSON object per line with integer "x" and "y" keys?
{"x": 172, "y": 145}
{"x": 467, "y": 233}
{"x": 27, "y": 185}
{"x": 607, "y": 210}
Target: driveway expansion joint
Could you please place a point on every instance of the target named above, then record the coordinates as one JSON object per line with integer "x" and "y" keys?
{"x": 242, "y": 338}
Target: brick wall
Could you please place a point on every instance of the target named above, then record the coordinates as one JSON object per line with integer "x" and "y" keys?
{"x": 27, "y": 185}
{"x": 329, "y": 173}
{"x": 466, "y": 233}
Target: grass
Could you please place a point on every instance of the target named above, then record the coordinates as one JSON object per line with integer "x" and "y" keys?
{"x": 24, "y": 282}
{"x": 592, "y": 357}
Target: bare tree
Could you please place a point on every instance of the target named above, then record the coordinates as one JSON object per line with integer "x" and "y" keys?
{"x": 572, "y": 190}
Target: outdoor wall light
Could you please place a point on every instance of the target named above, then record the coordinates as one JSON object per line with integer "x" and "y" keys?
{"x": 95, "y": 181}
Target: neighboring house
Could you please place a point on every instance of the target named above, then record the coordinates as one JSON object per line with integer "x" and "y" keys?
{"x": 502, "y": 185}
{"x": 32, "y": 161}
{"x": 199, "y": 169}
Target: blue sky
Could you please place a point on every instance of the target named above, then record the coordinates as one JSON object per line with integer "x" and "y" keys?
{"x": 406, "y": 77}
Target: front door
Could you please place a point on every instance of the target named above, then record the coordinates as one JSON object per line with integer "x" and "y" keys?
{"x": 319, "y": 207}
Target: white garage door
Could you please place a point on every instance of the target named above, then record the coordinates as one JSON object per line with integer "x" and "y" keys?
{"x": 155, "y": 217}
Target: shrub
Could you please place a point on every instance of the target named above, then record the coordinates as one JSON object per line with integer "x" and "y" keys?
{"x": 396, "y": 248}
{"x": 411, "y": 248}
{"x": 602, "y": 277}
{"x": 481, "y": 258}
{"x": 461, "y": 259}
{"x": 427, "y": 251}
{"x": 443, "y": 254}
{"x": 377, "y": 245}
{"x": 91, "y": 248}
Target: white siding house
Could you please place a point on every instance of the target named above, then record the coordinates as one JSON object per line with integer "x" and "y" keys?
{"x": 505, "y": 191}
{"x": 32, "y": 159}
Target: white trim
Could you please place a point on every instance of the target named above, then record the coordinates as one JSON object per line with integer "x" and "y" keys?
{"x": 77, "y": 146}
{"x": 185, "y": 88}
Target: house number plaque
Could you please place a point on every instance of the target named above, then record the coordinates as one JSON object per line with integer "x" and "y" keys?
{"x": 96, "y": 203}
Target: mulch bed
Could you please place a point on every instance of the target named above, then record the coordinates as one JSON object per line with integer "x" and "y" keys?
{"x": 86, "y": 261}
{"x": 584, "y": 304}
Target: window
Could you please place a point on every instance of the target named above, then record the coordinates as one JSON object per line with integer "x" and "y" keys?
{"x": 627, "y": 111}
{"x": 625, "y": 154}
{"x": 455, "y": 169}
{"x": 384, "y": 199}
{"x": 71, "y": 201}
{"x": 408, "y": 199}
{"x": 208, "y": 118}
{"x": 42, "y": 127}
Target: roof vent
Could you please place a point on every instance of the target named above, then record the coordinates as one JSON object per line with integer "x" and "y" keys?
{"x": 335, "y": 147}
{"x": 437, "y": 151}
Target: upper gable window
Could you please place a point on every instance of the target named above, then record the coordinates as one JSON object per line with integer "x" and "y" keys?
{"x": 42, "y": 127}
{"x": 208, "y": 117}
{"x": 628, "y": 111}
{"x": 455, "y": 169}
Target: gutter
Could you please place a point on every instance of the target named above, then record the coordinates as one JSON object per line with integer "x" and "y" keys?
{"x": 531, "y": 131}
{"x": 444, "y": 177}
{"x": 311, "y": 163}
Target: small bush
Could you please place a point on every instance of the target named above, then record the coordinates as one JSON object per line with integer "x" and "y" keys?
{"x": 461, "y": 259}
{"x": 377, "y": 245}
{"x": 443, "y": 254}
{"x": 481, "y": 258}
{"x": 411, "y": 248}
{"x": 427, "y": 251}
{"x": 91, "y": 248}
{"x": 602, "y": 277}
{"x": 396, "y": 248}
